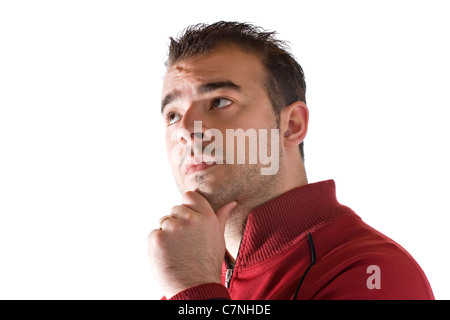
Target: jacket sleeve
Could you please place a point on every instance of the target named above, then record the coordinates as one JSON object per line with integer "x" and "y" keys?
{"x": 207, "y": 291}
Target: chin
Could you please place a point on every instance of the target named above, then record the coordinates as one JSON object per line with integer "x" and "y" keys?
{"x": 203, "y": 187}
{"x": 203, "y": 181}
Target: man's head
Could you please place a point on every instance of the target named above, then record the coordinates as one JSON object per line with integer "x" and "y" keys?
{"x": 284, "y": 77}
{"x": 231, "y": 75}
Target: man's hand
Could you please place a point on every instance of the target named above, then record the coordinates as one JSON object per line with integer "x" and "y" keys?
{"x": 189, "y": 247}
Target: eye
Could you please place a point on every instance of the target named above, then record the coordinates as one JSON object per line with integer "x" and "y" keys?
{"x": 172, "y": 118}
{"x": 221, "y": 103}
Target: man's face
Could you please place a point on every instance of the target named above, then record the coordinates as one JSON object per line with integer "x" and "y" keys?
{"x": 224, "y": 90}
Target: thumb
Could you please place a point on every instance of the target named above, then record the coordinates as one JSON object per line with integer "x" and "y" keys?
{"x": 223, "y": 213}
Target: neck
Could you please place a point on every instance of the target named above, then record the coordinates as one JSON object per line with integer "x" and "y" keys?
{"x": 237, "y": 220}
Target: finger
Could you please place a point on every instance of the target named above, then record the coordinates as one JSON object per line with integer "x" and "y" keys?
{"x": 195, "y": 201}
{"x": 180, "y": 211}
{"x": 162, "y": 220}
{"x": 223, "y": 213}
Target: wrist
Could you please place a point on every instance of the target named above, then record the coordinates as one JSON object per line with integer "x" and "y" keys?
{"x": 205, "y": 291}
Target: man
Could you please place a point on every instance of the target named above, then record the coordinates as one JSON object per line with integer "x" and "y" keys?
{"x": 240, "y": 232}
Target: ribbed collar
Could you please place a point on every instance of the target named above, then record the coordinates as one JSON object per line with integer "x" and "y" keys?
{"x": 272, "y": 227}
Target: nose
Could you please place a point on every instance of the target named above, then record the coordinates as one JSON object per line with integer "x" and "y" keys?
{"x": 191, "y": 142}
{"x": 191, "y": 128}
{"x": 187, "y": 138}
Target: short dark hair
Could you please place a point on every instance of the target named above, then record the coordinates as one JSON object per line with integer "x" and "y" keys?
{"x": 285, "y": 80}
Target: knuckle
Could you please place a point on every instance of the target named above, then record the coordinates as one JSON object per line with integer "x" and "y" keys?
{"x": 182, "y": 213}
{"x": 176, "y": 210}
{"x": 155, "y": 239}
{"x": 189, "y": 216}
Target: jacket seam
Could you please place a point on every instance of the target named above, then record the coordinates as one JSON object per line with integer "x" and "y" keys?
{"x": 313, "y": 261}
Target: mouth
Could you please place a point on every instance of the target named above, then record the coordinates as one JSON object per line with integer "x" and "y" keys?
{"x": 193, "y": 168}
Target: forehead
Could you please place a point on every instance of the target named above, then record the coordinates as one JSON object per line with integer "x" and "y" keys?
{"x": 226, "y": 63}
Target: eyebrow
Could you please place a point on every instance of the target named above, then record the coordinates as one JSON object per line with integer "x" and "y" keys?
{"x": 202, "y": 89}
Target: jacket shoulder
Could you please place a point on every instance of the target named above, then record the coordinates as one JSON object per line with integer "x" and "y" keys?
{"x": 355, "y": 261}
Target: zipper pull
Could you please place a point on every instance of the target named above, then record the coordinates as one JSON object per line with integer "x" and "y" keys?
{"x": 228, "y": 276}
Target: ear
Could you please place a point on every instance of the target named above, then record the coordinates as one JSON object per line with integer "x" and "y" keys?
{"x": 294, "y": 123}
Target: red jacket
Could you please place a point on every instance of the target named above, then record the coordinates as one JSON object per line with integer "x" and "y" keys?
{"x": 305, "y": 245}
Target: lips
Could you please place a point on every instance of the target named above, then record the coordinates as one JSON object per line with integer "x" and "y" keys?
{"x": 193, "y": 168}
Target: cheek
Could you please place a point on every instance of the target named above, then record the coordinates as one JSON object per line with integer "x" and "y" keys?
{"x": 258, "y": 121}
{"x": 173, "y": 151}
{"x": 168, "y": 147}
{"x": 259, "y": 115}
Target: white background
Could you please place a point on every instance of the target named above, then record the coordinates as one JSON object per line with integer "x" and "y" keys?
{"x": 83, "y": 173}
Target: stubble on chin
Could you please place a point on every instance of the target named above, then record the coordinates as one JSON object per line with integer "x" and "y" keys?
{"x": 232, "y": 183}
{"x": 218, "y": 188}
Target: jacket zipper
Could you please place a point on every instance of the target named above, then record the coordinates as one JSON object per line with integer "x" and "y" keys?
{"x": 229, "y": 273}
{"x": 228, "y": 276}
{"x": 230, "y": 267}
